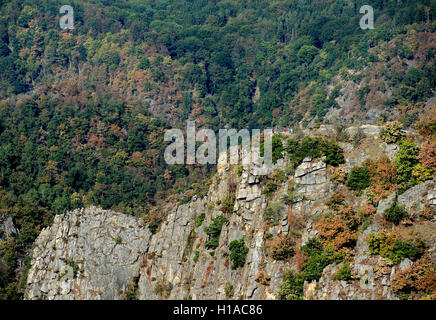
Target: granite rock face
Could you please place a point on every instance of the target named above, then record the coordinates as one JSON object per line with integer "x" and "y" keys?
{"x": 87, "y": 254}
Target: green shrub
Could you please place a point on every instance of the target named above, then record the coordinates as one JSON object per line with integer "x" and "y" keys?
{"x": 390, "y": 247}
{"x": 229, "y": 201}
{"x": 239, "y": 171}
{"x": 290, "y": 169}
{"x": 228, "y": 289}
{"x": 163, "y": 289}
{"x": 10, "y": 260}
{"x": 212, "y": 243}
{"x": 118, "y": 240}
{"x": 132, "y": 290}
{"x": 187, "y": 296}
{"x": 74, "y": 266}
{"x": 291, "y": 196}
{"x": 238, "y": 253}
{"x": 395, "y": 213}
{"x": 314, "y": 148}
{"x": 312, "y": 269}
{"x": 312, "y": 247}
{"x": 308, "y": 147}
{"x": 344, "y": 273}
{"x": 199, "y": 220}
{"x": 277, "y": 148}
{"x": 358, "y": 179}
{"x": 214, "y": 231}
{"x": 196, "y": 255}
{"x": 144, "y": 63}
{"x": 319, "y": 258}
{"x": 292, "y": 287}
{"x": 270, "y": 188}
{"x": 391, "y": 132}
{"x": 3, "y": 273}
{"x": 405, "y": 162}
{"x": 333, "y": 153}
{"x": 273, "y": 212}
{"x": 154, "y": 225}
{"x": 422, "y": 173}
{"x": 279, "y": 175}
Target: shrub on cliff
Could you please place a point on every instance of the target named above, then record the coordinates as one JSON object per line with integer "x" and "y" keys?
{"x": 312, "y": 247}
{"x": 421, "y": 173}
{"x": 339, "y": 232}
{"x": 404, "y": 162}
{"x": 214, "y": 231}
{"x": 389, "y": 246}
{"x": 292, "y": 287}
{"x": 427, "y": 154}
{"x": 154, "y": 225}
{"x": 344, "y": 273}
{"x": 319, "y": 258}
{"x": 277, "y": 148}
{"x": 383, "y": 178}
{"x": 314, "y": 148}
{"x": 313, "y": 267}
{"x": 392, "y": 132}
{"x": 273, "y": 212}
{"x": 229, "y": 201}
{"x": 416, "y": 282}
{"x": 200, "y": 219}
{"x": 269, "y": 189}
{"x": 229, "y": 289}
{"x": 238, "y": 253}
{"x": 333, "y": 154}
{"x": 358, "y": 179}
{"x": 282, "y": 247}
{"x": 395, "y": 213}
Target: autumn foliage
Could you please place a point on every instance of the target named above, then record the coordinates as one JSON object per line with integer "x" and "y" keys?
{"x": 340, "y": 230}
{"x": 416, "y": 282}
{"x": 427, "y": 126}
{"x": 427, "y": 154}
{"x": 383, "y": 178}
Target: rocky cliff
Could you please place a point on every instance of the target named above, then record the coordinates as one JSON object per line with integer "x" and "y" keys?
{"x": 87, "y": 254}
{"x": 97, "y": 254}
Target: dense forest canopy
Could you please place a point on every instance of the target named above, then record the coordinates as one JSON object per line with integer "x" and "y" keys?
{"x": 221, "y": 49}
{"x": 83, "y": 111}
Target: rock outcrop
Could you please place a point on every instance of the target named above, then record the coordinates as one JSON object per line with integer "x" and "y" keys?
{"x": 7, "y": 227}
{"x": 87, "y": 254}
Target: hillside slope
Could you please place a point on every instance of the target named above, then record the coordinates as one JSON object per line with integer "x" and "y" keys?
{"x": 83, "y": 111}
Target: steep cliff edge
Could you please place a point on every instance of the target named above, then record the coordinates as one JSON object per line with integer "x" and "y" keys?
{"x": 238, "y": 241}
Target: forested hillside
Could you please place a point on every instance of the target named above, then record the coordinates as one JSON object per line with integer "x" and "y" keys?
{"x": 83, "y": 111}
{"x": 222, "y": 51}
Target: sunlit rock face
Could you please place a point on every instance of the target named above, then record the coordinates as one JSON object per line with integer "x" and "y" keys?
{"x": 87, "y": 254}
